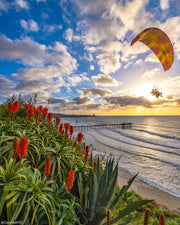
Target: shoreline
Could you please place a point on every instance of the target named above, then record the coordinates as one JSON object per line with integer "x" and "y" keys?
{"x": 162, "y": 199}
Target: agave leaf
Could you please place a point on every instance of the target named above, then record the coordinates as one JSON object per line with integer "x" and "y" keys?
{"x": 111, "y": 188}
{"x": 130, "y": 208}
{"x": 93, "y": 192}
{"x": 99, "y": 216}
{"x": 121, "y": 193}
{"x": 98, "y": 171}
{"x": 102, "y": 187}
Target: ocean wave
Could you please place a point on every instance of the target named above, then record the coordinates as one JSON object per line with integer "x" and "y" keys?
{"x": 157, "y": 134}
{"x": 146, "y": 155}
{"x": 137, "y": 145}
{"x": 143, "y": 140}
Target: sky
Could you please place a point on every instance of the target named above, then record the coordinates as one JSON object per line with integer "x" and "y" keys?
{"x": 76, "y": 55}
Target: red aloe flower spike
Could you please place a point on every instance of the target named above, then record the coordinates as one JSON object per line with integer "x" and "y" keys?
{"x": 71, "y": 130}
{"x": 67, "y": 136}
{"x": 40, "y": 108}
{"x": 57, "y": 120}
{"x": 146, "y": 217}
{"x": 15, "y": 106}
{"x": 15, "y": 147}
{"x": 79, "y": 137}
{"x": 23, "y": 147}
{"x": 161, "y": 220}
{"x": 70, "y": 180}
{"x": 30, "y": 112}
{"x": 67, "y": 126}
{"x": 86, "y": 154}
{"x": 26, "y": 105}
{"x": 47, "y": 169}
{"x": 49, "y": 117}
{"x": 60, "y": 127}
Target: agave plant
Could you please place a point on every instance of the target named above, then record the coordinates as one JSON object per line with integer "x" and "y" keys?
{"x": 96, "y": 197}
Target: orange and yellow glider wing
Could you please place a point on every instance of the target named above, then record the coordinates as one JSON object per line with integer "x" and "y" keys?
{"x": 159, "y": 43}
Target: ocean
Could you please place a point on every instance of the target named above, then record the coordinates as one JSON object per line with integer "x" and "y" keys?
{"x": 150, "y": 148}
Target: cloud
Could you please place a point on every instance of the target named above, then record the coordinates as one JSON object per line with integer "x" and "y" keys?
{"x": 108, "y": 63}
{"x": 53, "y": 100}
{"x": 164, "y": 4}
{"x": 7, "y": 87}
{"x": 74, "y": 80}
{"x": 124, "y": 101}
{"x": 150, "y": 73}
{"x": 82, "y": 100}
{"x": 31, "y": 53}
{"x": 30, "y": 25}
{"x": 98, "y": 92}
{"x": 91, "y": 67}
{"x": 50, "y": 28}
{"x": 22, "y": 4}
{"x": 104, "y": 79}
{"x": 69, "y": 34}
{"x": 152, "y": 58}
{"x": 41, "y": 0}
{"x": 4, "y": 5}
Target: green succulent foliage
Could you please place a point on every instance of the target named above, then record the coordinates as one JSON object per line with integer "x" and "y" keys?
{"x": 101, "y": 189}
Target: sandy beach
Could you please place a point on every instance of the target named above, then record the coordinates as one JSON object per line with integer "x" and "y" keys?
{"x": 162, "y": 199}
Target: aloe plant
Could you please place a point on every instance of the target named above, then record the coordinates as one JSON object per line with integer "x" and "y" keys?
{"x": 101, "y": 189}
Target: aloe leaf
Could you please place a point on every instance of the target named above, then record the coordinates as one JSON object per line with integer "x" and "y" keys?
{"x": 130, "y": 208}
{"x": 10, "y": 195}
{"x": 93, "y": 192}
{"x": 19, "y": 208}
{"x": 99, "y": 216}
{"x": 80, "y": 187}
{"x": 121, "y": 193}
{"x": 14, "y": 199}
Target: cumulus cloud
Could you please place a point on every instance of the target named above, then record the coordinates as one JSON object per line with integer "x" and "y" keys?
{"x": 82, "y": 100}
{"x": 152, "y": 58}
{"x": 74, "y": 80}
{"x": 6, "y": 87}
{"x": 91, "y": 67}
{"x": 53, "y": 100}
{"x": 98, "y": 92}
{"x": 4, "y": 5}
{"x": 151, "y": 73}
{"x": 124, "y": 101}
{"x": 104, "y": 79}
{"x": 69, "y": 33}
{"x": 31, "y": 53}
{"x": 164, "y": 4}
{"x": 29, "y": 25}
{"x": 51, "y": 28}
{"x": 22, "y": 4}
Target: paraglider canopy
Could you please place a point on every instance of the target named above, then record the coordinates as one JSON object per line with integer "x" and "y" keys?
{"x": 159, "y": 43}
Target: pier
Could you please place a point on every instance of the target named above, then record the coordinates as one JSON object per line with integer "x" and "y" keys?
{"x": 103, "y": 126}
